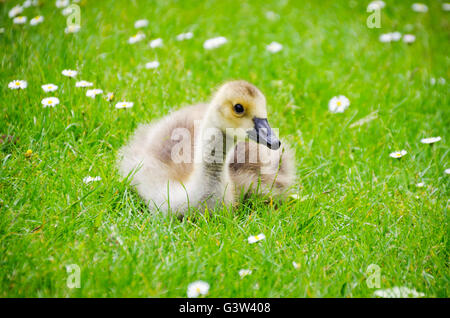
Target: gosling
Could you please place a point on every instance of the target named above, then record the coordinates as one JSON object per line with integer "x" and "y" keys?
{"x": 201, "y": 157}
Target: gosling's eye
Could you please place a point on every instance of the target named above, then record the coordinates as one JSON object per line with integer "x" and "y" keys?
{"x": 239, "y": 109}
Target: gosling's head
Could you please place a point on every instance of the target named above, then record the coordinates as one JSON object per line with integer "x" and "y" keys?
{"x": 240, "y": 105}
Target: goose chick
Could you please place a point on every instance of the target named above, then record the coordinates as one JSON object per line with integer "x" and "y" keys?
{"x": 198, "y": 156}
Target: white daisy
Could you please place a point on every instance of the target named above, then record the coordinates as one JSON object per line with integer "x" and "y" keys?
{"x": 197, "y": 288}
{"x": 15, "y": 11}
{"x": 441, "y": 80}
{"x": 398, "y": 292}
{"x": 272, "y": 16}
{"x": 29, "y": 3}
{"x": 90, "y": 179}
{"x": 296, "y": 265}
{"x": 49, "y": 87}
{"x": 67, "y": 11}
{"x": 419, "y": 7}
{"x": 93, "y": 92}
{"x": 396, "y": 36}
{"x": 274, "y": 47}
{"x": 338, "y": 104}
{"x": 83, "y": 84}
{"x": 409, "y": 38}
{"x": 420, "y": 185}
{"x": 152, "y": 65}
{"x": 62, "y": 3}
{"x": 156, "y": 43}
{"x": 50, "y": 101}
{"x": 385, "y": 37}
{"x": 430, "y": 140}
{"x": 72, "y": 29}
{"x": 124, "y": 105}
{"x": 256, "y": 238}
{"x": 36, "y": 20}
{"x": 141, "y": 23}
{"x": 447, "y": 171}
{"x": 110, "y": 96}
{"x": 20, "y": 20}
{"x": 214, "y": 43}
{"x": 18, "y": 84}
{"x": 446, "y": 6}
{"x": 69, "y": 73}
{"x": 185, "y": 36}
{"x": 398, "y": 154}
{"x": 376, "y": 5}
{"x": 245, "y": 272}
{"x": 136, "y": 38}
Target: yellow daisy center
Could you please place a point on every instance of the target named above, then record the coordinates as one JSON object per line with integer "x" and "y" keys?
{"x": 50, "y": 102}
{"x": 256, "y": 237}
{"x": 17, "y": 83}
{"x": 339, "y": 103}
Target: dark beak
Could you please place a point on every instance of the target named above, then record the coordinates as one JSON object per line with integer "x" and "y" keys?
{"x": 263, "y": 134}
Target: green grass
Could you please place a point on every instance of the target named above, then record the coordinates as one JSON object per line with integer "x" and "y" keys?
{"x": 358, "y": 206}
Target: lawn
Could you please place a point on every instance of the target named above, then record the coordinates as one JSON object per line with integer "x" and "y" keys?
{"x": 356, "y": 205}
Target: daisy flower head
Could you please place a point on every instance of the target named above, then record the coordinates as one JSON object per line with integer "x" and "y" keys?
{"x": 197, "y": 288}
{"x": 18, "y": 84}
{"x": 430, "y": 140}
{"x": 420, "y": 185}
{"x": 385, "y": 37}
{"x": 136, "y": 38}
{"x": 397, "y": 154}
{"x": 338, "y": 104}
{"x": 49, "y": 88}
{"x": 245, "y": 272}
{"x": 214, "y": 43}
{"x": 83, "y": 84}
{"x": 20, "y": 20}
{"x": 447, "y": 171}
{"x": 141, "y": 23}
{"x": 152, "y": 65}
{"x": 398, "y": 292}
{"x": 120, "y": 105}
{"x": 69, "y": 73}
{"x": 72, "y": 29}
{"x": 409, "y": 38}
{"x": 396, "y": 36}
{"x": 256, "y": 238}
{"x": 109, "y": 97}
{"x": 185, "y": 36}
{"x": 274, "y": 47}
{"x": 66, "y": 11}
{"x": 90, "y": 179}
{"x": 50, "y": 101}
{"x": 36, "y": 20}
{"x": 62, "y": 3}
{"x": 93, "y": 92}
{"x": 15, "y": 11}
{"x": 375, "y": 5}
{"x": 296, "y": 265}
{"x": 29, "y": 3}
{"x": 446, "y": 6}
{"x": 419, "y": 7}
{"x": 272, "y": 16}
{"x": 156, "y": 43}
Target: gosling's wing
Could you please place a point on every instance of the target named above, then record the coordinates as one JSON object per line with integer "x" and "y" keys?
{"x": 151, "y": 147}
